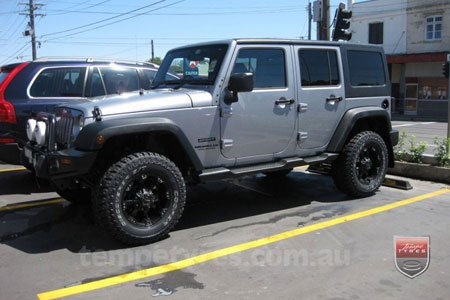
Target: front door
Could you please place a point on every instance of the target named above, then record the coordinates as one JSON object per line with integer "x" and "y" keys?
{"x": 259, "y": 123}
{"x": 321, "y": 94}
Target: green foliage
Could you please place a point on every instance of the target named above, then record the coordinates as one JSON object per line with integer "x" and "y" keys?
{"x": 400, "y": 151}
{"x": 443, "y": 151}
{"x": 157, "y": 60}
{"x": 416, "y": 150}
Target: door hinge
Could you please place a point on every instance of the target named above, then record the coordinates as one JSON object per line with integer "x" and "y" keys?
{"x": 226, "y": 143}
{"x": 226, "y": 111}
{"x": 302, "y": 107}
{"x": 302, "y": 136}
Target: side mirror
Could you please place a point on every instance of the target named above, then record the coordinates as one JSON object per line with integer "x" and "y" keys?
{"x": 239, "y": 82}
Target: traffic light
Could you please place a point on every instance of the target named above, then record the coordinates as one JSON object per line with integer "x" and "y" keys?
{"x": 341, "y": 23}
{"x": 445, "y": 69}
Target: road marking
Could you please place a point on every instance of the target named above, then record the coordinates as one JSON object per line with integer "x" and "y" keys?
{"x": 10, "y": 170}
{"x": 98, "y": 284}
{"x": 412, "y": 124}
{"x": 34, "y": 203}
{"x": 301, "y": 167}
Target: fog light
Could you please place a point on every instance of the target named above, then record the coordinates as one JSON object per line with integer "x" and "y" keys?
{"x": 66, "y": 161}
{"x": 31, "y": 125}
{"x": 39, "y": 132}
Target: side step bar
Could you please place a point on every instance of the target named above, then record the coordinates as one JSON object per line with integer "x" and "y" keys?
{"x": 285, "y": 163}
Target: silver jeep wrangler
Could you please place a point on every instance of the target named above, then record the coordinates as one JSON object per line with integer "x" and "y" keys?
{"x": 219, "y": 110}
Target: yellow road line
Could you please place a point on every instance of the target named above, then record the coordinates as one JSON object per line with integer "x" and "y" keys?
{"x": 10, "y": 170}
{"x": 34, "y": 203}
{"x": 301, "y": 167}
{"x": 94, "y": 285}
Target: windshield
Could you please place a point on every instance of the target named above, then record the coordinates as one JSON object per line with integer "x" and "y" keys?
{"x": 195, "y": 65}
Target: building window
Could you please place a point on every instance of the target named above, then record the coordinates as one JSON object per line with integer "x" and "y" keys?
{"x": 376, "y": 33}
{"x": 433, "y": 28}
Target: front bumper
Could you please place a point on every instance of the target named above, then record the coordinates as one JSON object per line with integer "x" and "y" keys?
{"x": 58, "y": 165}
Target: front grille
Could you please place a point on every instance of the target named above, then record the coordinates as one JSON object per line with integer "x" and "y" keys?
{"x": 63, "y": 130}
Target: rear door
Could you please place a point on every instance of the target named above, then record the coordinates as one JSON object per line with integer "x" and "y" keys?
{"x": 321, "y": 94}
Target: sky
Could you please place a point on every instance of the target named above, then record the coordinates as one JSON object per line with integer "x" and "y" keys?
{"x": 124, "y": 29}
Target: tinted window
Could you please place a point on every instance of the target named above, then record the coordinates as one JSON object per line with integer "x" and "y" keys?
{"x": 96, "y": 86}
{"x": 376, "y": 33}
{"x": 150, "y": 74}
{"x": 318, "y": 67}
{"x": 267, "y": 66}
{"x": 3, "y": 76}
{"x": 120, "y": 80}
{"x": 59, "y": 82}
{"x": 366, "y": 68}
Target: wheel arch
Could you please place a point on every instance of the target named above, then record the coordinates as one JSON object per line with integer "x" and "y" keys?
{"x": 360, "y": 119}
{"x": 160, "y": 135}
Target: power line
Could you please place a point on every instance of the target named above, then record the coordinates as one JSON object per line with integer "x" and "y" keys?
{"x": 101, "y": 26}
{"x": 104, "y": 20}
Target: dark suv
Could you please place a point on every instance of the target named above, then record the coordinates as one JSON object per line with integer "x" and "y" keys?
{"x": 31, "y": 87}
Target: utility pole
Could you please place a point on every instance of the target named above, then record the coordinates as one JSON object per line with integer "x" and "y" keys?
{"x": 324, "y": 24}
{"x": 153, "y": 53}
{"x": 309, "y": 19}
{"x": 32, "y": 32}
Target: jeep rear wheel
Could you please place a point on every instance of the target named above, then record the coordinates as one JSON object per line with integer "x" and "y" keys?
{"x": 140, "y": 198}
{"x": 361, "y": 167}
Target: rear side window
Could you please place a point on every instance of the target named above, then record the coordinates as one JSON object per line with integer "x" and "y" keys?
{"x": 120, "y": 80}
{"x": 267, "y": 66}
{"x": 318, "y": 67}
{"x": 59, "y": 82}
{"x": 3, "y": 76}
{"x": 366, "y": 68}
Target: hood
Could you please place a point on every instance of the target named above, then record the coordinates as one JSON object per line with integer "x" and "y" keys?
{"x": 161, "y": 99}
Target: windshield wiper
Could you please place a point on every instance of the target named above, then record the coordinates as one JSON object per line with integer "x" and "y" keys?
{"x": 165, "y": 82}
{"x": 199, "y": 82}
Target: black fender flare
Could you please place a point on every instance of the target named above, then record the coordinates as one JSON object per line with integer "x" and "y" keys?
{"x": 87, "y": 138}
{"x": 348, "y": 121}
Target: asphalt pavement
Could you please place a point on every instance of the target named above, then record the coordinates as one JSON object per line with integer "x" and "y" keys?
{"x": 256, "y": 238}
{"x": 424, "y": 132}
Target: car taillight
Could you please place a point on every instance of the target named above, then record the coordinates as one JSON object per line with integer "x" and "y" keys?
{"x": 7, "y": 113}
{"x": 6, "y": 141}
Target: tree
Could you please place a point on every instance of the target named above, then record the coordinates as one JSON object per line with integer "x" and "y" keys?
{"x": 157, "y": 60}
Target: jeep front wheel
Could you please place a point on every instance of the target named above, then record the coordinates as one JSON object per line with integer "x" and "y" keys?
{"x": 361, "y": 167}
{"x": 140, "y": 198}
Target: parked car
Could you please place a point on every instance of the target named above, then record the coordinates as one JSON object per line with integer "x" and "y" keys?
{"x": 242, "y": 106}
{"x": 30, "y": 87}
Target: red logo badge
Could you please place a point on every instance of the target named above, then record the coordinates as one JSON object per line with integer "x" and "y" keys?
{"x": 412, "y": 255}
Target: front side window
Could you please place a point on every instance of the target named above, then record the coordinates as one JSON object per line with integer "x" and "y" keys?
{"x": 59, "y": 82}
{"x": 267, "y": 66}
{"x": 193, "y": 65}
{"x": 366, "y": 68}
{"x": 433, "y": 28}
{"x": 96, "y": 86}
{"x": 120, "y": 80}
{"x": 318, "y": 67}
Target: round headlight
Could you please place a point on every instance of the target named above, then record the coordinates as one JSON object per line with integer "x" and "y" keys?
{"x": 31, "y": 124}
{"x": 39, "y": 132}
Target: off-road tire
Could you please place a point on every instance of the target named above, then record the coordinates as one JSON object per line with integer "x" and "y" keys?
{"x": 278, "y": 174}
{"x": 345, "y": 170}
{"x": 76, "y": 196}
{"x": 108, "y": 198}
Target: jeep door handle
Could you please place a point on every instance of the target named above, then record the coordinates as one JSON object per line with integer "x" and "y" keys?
{"x": 283, "y": 100}
{"x": 334, "y": 98}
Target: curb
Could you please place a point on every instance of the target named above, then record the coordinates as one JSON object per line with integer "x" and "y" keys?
{"x": 421, "y": 171}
